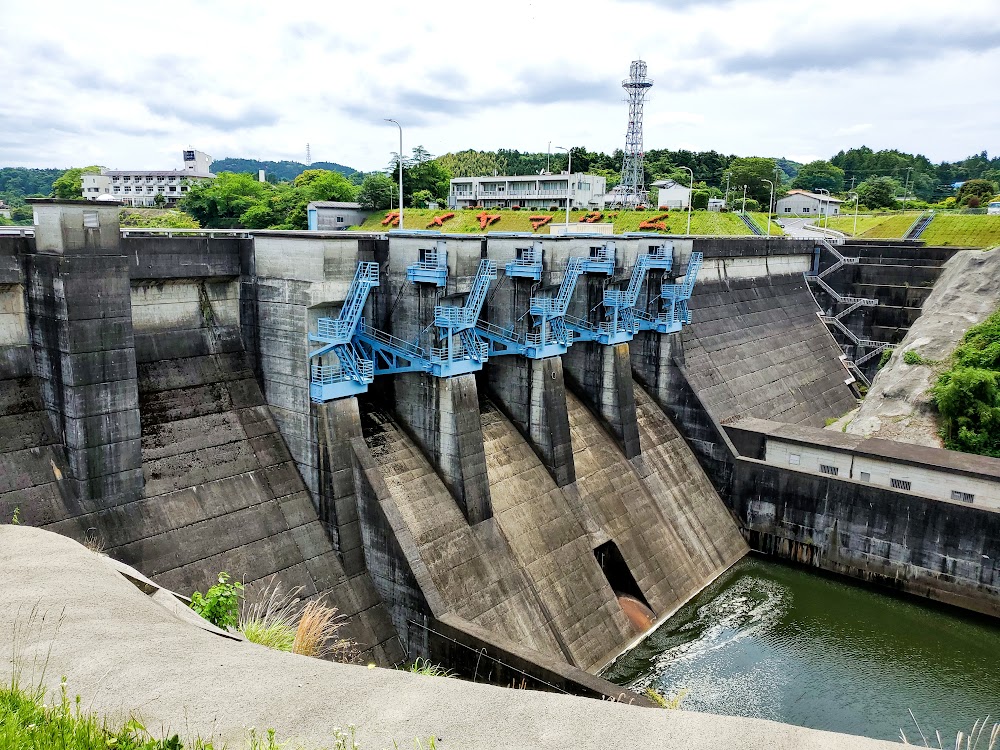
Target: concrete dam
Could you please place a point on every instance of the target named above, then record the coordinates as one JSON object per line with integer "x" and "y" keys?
{"x": 507, "y": 453}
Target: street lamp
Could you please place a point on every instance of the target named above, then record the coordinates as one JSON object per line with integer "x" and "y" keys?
{"x": 826, "y": 213}
{"x": 690, "y": 196}
{"x": 728, "y": 175}
{"x": 400, "y": 169}
{"x": 569, "y": 177}
{"x": 744, "y": 199}
{"x": 770, "y": 202}
{"x": 857, "y": 199}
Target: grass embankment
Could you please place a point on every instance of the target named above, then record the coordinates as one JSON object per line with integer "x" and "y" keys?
{"x": 761, "y": 221}
{"x": 879, "y": 227}
{"x": 675, "y": 222}
{"x": 963, "y": 231}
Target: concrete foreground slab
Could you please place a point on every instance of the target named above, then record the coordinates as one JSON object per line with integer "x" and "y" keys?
{"x": 124, "y": 653}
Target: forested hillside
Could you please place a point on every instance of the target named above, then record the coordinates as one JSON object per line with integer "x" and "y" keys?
{"x": 277, "y": 171}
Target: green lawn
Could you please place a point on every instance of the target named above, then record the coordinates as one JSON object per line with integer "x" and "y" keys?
{"x": 465, "y": 222}
{"x": 963, "y": 231}
{"x": 866, "y": 223}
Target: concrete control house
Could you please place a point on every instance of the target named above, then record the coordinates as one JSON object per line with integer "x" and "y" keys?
{"x": 140, "y": 187}
{"x": 529, "y": 191}
{"x": 799, "y": 202}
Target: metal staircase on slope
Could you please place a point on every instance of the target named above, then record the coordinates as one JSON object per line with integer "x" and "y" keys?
{"x": 352, "y": 374}
{"x": 674, "y": 302}
{"x": 452, "y": 320}
{"x": 751, "y": 225}
{"x": 917, "y": 227}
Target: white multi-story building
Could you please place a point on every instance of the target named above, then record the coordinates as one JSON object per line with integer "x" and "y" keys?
{"x": 529, "y": 191}
{"x": 140, "y": 187}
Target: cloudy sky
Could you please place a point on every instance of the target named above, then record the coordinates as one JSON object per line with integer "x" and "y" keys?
{"x": 132, "y": 84}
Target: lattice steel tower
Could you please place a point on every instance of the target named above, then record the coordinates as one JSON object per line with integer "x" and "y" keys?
{"x": 631, "y": 190}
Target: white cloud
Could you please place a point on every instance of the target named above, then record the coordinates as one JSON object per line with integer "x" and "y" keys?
{"x": 133, "y": 85}
{"x": 862, "y": 127}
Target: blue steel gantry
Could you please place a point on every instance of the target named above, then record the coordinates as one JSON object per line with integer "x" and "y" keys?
{"x": 353, "y": 373}
{"x": 466, "y": 342}
{"x": 674, "y": 301}
{"x": 619, "y": 304}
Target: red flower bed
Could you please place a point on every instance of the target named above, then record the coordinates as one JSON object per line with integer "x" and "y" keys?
{"x": 656, "y": 222}
{"x": 391, "y": 218}
{"x": 486, "y": 219}
{"x": 593, "y": 217}
{"x": 438, "y": 221}
{"x": 539, "y": 221}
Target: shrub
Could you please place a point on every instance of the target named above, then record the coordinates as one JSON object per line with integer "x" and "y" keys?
{"x": 221, "y": 605}
{"x": 515, "y": 208}
{"x": 912, "y": 358}
{"x": 886, "y": 356}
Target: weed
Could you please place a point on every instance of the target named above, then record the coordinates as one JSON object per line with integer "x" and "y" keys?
{"x": 829, "y": 421}
{"x": 884, "y": 359}
{"x": 912, "y": 357}
{"x": 963, "y": 741}
{"x": 270, "y": 620}
{"x": 316, "y": 634}
{"x": 663, "y": 702}
{"x": 429, "y": 669}
{"x": 221, "y": 605}
{"x": 16, "y": 518}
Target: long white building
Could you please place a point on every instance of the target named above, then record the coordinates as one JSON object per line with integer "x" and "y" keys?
{"x": 136, "y": 187}
{"x": 529, "y": 191}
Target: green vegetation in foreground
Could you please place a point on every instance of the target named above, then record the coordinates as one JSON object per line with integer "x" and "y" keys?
{"x": 963, "y": 231}
{"x": 28, "y": 723}
{"x": 144, "y": 218}
{"x": 465, "y": 221}
{"x": 968, "y": 395}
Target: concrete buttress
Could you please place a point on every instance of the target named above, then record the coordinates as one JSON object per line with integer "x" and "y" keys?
{"x": 442, "y": 414}
{"x": 602, "y": 376}
{"x": 337, "y": 424}
{"x": 532, "y": 392}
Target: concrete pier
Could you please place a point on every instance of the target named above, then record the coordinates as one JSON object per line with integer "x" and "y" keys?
{"x": 532, "y": 393}
{"x": 442, "y": 414}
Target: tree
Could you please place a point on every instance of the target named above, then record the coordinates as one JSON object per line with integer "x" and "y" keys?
{"x": 752, "y": 171}
{"x": 376, "y": 193}
{"x": 820, "y": 174}
{"x": 421, "y": 198}
{"x": 699, "y": 201}
{"x": 324, "y": 185}
{"x": 159, "y": 200}
{"x": 879, "y": 192}
{"x": 981, "y": 189}
{"x": 170, "y": 219}
{"x": 69, "y": 185}
{"x": 220, "y": 203}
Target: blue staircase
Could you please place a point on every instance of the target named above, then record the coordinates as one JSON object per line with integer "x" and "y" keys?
{"x": 619, "y": 305}
{"x": 352, "y": 373}
{"x": 674, "y": 299}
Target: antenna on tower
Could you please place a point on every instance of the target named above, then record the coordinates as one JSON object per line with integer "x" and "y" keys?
{"x": 309, "y": 158}
{"x": 631, "y": 191}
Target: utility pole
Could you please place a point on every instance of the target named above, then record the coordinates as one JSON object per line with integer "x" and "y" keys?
{"x": 569, "y": 177}
{"x": 906, "y": 186}
{"x": 770, "y": 202}
{"x": 857, "y": 199}
{"x": 548, "y": 159}
{"x": 690, "y": 198}
{"x": 400, "y": 170}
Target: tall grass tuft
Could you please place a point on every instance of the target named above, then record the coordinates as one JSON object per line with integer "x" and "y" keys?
{"x": 429, "y": 669}
{"x": 971, "y": 741}
{"x": 270, "y": 620}
{"x": 317, "y": 634}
